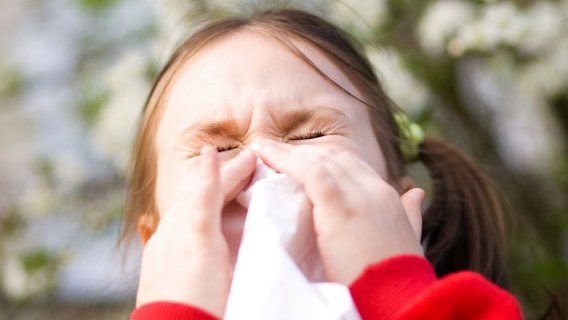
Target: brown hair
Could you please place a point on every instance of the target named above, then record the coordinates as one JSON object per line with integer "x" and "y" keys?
{"x": 463, "y": 225}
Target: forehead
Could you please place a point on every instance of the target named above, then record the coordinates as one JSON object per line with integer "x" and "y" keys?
{"x": 250, "y": 77}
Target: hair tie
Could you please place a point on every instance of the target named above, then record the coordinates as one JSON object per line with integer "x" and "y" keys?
{"x": 411, "y": 136}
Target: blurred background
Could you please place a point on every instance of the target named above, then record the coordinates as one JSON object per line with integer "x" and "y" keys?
{"x": 491, "y": 76}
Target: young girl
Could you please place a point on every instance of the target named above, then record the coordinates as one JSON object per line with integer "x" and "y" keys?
{"x": 298, "y": 90}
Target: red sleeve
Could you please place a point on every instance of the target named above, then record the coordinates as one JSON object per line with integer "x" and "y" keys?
{"x": 405, "y": 287}
{"x": 165, "y": 310}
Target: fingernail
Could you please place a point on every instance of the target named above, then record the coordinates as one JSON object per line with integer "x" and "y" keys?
{"x": 420, "y": 194}
{"x": 255, "y": 147}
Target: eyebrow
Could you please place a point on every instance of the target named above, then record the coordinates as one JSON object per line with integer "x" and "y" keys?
{"x": 321, "y": 116}
{"x": 284, "y": 124}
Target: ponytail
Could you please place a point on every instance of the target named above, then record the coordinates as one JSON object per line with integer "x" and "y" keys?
{"x": 463, "y": 228}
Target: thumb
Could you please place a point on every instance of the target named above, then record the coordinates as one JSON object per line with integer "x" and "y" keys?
{"x": 412, "y": 201}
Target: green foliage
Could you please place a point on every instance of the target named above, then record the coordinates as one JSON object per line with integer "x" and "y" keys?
{"x": 11, "y": 221}
{"x": 37, "y": 259}
{"x": 96, "y": 6}
{"x": 91, "y": 104}
{"x": 12, "y": 82}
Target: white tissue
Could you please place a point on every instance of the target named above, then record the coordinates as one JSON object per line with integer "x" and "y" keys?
{"x": 279, "y": 273}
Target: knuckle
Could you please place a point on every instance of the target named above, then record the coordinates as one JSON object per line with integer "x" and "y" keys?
{"x": 359, "y": 205}
{"x": 310, "y": 153}
{"x": 320, "y": 173}
{"x": 328, "y": 186}
{"x": 206, "y": 184}
{"x": 290, "y": 156}
{"x": 322, "y": 155}
{"x": 203, "y": 199}
{"x": 301, "y": 149}
{"x": 200, "y": 226}
{"x": 328, "y": 150}
{"x": 366, "y": 203}
{"x": 339, "y": 152}
{"x": 199, "y": 200}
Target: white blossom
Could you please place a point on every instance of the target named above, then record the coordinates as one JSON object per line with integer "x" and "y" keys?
{"x": 69, "y": 170}
{"x": 402, "y": 87}
{"x": 18, "y": 283}
{"x": 14, "y": 278}
{"x": 545, "y": 25}
{"x": 524, "y": 128}
{"x": 526, "y": 132}
{"x": 174, "y": 19}
{"x": 502, "y": 23}
{"x": 499, "y": 23}
{"x": 547, "y": 75}
{"x": 115, "y": 128}
{"x": 441, "y": 21}
{"x": 17, "y": 162}
{"x": 228, "y": 6}
{"x": 362, "y": 15}
{"x": 39, "y": 199}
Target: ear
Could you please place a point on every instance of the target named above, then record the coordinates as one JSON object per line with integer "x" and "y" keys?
{"x": 406, "y": 183}
{"x": 412, "y": 201}
{"x": 146, "y": 226}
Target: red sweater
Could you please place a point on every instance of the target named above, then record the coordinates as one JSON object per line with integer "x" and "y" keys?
{"x": 404, "y": 287}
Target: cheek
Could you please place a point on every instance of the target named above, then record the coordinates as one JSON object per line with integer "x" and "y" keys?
{"x": 370, "y": 151}
{"x": 169, "y": 181}
{"x": 367, "y": 146}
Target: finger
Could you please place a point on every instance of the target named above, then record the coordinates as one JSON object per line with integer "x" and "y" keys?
{"x": 412, "y": 202}
{"x": 207, "y": 198}
{"x": 236, "y": 174}
{"x": 198, "y": 195}
{"x": 344, "y": 166}
{"x": 309, "y": 168}
{"x": 272, "y": 153}
{"x": 358, "y": 168}
{"x": 358, "y": 173}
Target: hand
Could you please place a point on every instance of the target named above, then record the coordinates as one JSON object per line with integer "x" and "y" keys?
{"x": 359, "y": 218}
{"x": 187, "y": 259}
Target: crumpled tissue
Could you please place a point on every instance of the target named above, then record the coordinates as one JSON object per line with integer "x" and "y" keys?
{"x": 278, "y": 272}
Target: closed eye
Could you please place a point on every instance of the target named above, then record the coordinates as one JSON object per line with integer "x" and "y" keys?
{"x": 227, "y": 147}
{"x": 195, "y": 152}
{"x": 310, "y": 135}
{"x": 231, "y": 146}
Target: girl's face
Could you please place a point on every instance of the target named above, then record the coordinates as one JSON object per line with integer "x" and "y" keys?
{"x": 246, "y": 87}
